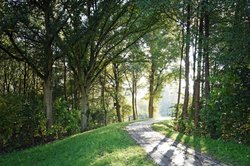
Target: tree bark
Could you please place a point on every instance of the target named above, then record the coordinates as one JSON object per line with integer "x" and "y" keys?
{"x": 186, "y": 97}
{"x": 151, "y": 91}
{"x": 194, "y": 67}
{"x": 117, "y": 91}
{"x": 48, "y": 53}
{"x": 65, "y": 79}
{"x": 206, "y": 52}
{"x": 136, "y": 112}
{"x": 198, "y": 80}
{"x": 48, "y": 100}
{"x": 134, "y": 96}
{"x": 84, "y": 108}
{"x": 103, "y": 84}
{"x": 25, "y": 78}
{"x": 133, "y": 102}
{"x": 180, "y": 74}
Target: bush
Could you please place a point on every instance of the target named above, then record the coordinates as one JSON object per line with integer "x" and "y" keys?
{"x": 22, "y": 121}
{"x": 186, "y": 126}
{"x": 66, "y": 122}
{"x": 226, "y": 114}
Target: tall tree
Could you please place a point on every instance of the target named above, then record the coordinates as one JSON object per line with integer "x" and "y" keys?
{"x": 186, "y": 97}
{"x": 206, "y": 49}
{"x": 180, "y": 71}
{"x": 198, "y": 79}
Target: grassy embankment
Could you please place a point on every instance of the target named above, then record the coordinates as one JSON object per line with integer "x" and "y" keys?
{"x": 109, "y": 145}
{"x": 230, "y": 153}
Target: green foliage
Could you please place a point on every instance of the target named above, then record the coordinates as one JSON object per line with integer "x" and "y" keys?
{"x": 227, "y": 112}
{"x": 109, "y": 145}
{"x": 186, "y": 126}
{"x": 66, "y": 122}
{"x": 23, "y": 123}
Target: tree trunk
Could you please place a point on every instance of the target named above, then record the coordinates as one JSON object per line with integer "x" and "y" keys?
{"x": 25, "y": 78}
{"x": 48, "y": 100}
{"x": 186, "y": 97}
{"x": 5, "y": 81}
{"x": 133, "y": 103}
{"x": 151, "y": 91}
{"x": 48, "y": 54}
{"x": 84, "y": 108}
{"x": 206, "y": 52}
{"x": 180, "y": 72}
{"x": 117, "y": 91}
{"x": 194, "y": 68}
{"x": 65, "y": 78}
{"x": 103, "y": 83}
{"x": 136, "y": 112}
{"x": 198, "y": 80}
{"x": 133, "y": 96}
{"x": 118, "y": 108}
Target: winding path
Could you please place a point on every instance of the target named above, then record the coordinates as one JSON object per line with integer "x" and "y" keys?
{"x": 165, "y": 151}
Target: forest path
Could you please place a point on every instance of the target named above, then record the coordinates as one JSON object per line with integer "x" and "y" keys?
{"x": 165, "y": 151}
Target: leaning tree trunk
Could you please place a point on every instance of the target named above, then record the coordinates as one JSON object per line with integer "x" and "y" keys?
{"x": 186, "y": 97}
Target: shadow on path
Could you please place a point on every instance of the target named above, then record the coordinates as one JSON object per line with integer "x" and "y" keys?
{"x": 165, "y": 151}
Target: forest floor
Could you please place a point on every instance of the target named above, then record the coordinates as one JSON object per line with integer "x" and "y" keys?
{"x": 166, "y": 151}
{"x": 109, "y": 145}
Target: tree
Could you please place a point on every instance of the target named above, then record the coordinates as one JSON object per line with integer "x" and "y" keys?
{"x": 186, "y": 97}
{"x": 180, "y": 71}
{"x": 160, "y": 57}
{"x": 109, "y": 29}
{"x": 134, "y": 69}
{"x": 206, "y": 48}
{"x": 197, "y": 82}
{"x": 30, "y": 31}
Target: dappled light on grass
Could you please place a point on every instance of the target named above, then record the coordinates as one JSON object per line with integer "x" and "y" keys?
{"x": 132, "y": 155}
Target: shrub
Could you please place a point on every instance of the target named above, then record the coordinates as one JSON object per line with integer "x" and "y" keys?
{"x": 66, "y": 122}
{"x": 22, "y": 121}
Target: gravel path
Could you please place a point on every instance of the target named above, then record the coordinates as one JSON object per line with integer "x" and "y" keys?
{"x": 165, "y": 151}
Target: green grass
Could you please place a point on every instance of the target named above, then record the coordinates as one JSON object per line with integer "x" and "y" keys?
{"x": 109, "y": 145}
{"x": 227, "y": 152}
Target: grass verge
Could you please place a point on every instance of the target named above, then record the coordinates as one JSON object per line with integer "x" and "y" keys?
{"x": 227, "y": 152}
{"x": 109, "y": 145}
